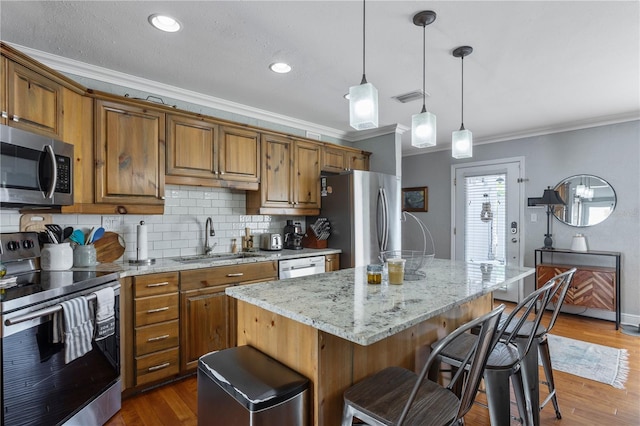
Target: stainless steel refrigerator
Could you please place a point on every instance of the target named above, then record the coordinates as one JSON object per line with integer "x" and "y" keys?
{"x": 364, "y": 211}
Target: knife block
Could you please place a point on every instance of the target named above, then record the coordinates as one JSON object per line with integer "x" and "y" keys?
{"x": 310, "y": 241}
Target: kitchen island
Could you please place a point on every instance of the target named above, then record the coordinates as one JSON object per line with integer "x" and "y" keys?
{"x": 336, "y": 329}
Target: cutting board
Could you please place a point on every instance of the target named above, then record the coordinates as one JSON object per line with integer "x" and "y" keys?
{"x": 34, "y": 222}
{"x": 110, "y": 247}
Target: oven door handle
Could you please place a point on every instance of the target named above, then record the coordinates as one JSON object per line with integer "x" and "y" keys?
{"x": 46, "y": 311}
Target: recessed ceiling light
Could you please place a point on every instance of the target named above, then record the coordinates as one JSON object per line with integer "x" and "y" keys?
{"x": 164, "y": 23}
{"x": 280, "y": 67}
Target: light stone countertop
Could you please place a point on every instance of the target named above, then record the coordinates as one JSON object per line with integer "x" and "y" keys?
{"x": 174, "y": 264}
{"x": 343, "y": 304}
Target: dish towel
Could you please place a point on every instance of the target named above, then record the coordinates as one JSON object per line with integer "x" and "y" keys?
{"x": 75, "y": 328}
{"x": 105, "y": 313}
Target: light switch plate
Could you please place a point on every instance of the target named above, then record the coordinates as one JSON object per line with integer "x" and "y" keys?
{"x": 534, "y": 217}
{"x": 112, "y": 223}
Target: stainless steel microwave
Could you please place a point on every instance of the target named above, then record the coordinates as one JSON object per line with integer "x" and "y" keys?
{"x": 34, "y": 170}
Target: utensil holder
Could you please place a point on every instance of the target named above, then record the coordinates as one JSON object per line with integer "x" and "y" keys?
{"x": 84, "y": 256}
{"x": 56, "y": 257}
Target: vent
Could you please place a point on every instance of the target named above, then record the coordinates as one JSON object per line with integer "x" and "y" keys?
{"x": 414, "y": 95}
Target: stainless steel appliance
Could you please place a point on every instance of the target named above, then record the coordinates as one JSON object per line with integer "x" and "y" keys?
{"x": 34, "y": 170}
{"x": 293, "y": 235}
{"x": 301, "y": 267}
{"x": 37, "y": 387}
{"x": 271, "y": 241}
{"x": 364, "y": 209}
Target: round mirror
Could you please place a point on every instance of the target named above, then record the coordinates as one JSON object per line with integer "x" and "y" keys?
{"x": 588, "y": 200}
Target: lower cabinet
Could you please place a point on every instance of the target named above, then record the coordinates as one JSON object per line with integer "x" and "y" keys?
{"x": 208, "y": 315}
{"x": 331, "y": 262}
{"x": 156, "y": 327}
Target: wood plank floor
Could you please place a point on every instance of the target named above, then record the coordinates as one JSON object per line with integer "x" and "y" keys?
{"x": 582, "y": 401}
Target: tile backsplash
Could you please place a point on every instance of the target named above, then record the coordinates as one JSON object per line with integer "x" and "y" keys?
{"x": 180, "y": 230}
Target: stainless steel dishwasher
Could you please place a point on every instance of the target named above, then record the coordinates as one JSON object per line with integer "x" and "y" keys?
{"x": 301, "y": 267}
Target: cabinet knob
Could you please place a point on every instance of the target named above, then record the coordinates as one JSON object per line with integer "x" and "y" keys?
{"x": 15, "y": 118}
{"x": 221, "y": 173}
{"x": 4, "y": 114}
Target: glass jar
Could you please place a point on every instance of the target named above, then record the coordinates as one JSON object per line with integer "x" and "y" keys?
{"x": 374, "y": 274}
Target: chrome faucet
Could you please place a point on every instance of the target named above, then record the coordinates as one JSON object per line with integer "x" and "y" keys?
{"x": 208, "y": 232}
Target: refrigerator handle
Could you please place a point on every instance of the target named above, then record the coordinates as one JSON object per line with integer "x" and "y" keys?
{"x": 382, "y": 199}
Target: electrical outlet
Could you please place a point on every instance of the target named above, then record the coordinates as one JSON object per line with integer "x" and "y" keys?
{"x": 112, "y": 223}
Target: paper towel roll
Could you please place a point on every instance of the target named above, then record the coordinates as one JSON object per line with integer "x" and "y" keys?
{"x": 143, "y": 248}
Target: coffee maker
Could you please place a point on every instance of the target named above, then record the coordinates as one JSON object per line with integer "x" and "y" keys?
{"x": 293, "y": 235}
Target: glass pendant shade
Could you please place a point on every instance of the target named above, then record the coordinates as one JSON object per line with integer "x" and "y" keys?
{"x": 363, "y": 106}
{"x": 462, "y": 143}
{"x": 423, "y": 130}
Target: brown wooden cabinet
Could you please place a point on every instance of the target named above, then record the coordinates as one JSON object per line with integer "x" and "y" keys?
{"x": 130, "y": 154}
{"x": 331, "y": 262}
{"x": 208, "y": 317}
{"x": 201, "y": 152}
{"x": 337, "y": 159}
{"x": 155, "y": 327}
{"x": 596, "y": 287}
{"x": 34, "y": 102}
{"x": 290, "y": 181}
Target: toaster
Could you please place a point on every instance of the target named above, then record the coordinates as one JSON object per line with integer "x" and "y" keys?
{"x": 270, "y": 241}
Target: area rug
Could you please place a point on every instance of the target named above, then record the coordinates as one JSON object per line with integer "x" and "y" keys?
{"x": 590, "y": 361}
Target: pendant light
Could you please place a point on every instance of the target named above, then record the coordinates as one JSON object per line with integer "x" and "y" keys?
{"x": 363, "y": 99}
{"x": 462, "y": 140}
{"x": 423, "y": 125}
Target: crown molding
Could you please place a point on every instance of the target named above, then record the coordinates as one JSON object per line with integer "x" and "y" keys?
{"x": 82, "y": 69}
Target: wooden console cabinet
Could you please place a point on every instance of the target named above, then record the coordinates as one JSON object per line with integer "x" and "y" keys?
{"x": 596, "y": 283}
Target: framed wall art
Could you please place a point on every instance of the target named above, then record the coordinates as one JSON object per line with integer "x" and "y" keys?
{"x": 415, "y": 199}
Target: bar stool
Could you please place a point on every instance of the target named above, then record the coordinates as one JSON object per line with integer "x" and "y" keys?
{"x": 397, "y": 396}
{"x": 504, "y": 361}
{"x": 562, "y": 283}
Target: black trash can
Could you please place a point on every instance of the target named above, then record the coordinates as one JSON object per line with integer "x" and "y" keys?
{"x": 242, "y": 386}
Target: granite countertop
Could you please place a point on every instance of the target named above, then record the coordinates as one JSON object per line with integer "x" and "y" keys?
{"x": 343, "y": 304}
{"x": 174, "y": 264}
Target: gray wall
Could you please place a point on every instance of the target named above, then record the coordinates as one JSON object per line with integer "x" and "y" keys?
{"x": 611, "y": 152}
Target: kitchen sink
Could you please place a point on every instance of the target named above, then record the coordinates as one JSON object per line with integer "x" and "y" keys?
{"x": 216, "y": 256}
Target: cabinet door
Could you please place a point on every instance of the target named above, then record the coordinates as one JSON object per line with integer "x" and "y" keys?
{"x": 34, "y": 102}
{"x": 358, "y": 161}
{"x": 276, "y": 172}
{"x": 331, "y": 262}
{"x": 306, "y": 178}
{"x": 4, "y": 112}
{"x": 191, "y": 147}
{"x": 333, "y": 160}
{"x": 206, "y": 324}
{"x": 129, "y": 154}
{"x": 239, "y": 155}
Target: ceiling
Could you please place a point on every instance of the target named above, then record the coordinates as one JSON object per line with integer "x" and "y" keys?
{"x": 537, "y": 67}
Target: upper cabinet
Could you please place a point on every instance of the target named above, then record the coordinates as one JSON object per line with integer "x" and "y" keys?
{"x": 202, "y": 152}
{"x": 130, "y": 154}
{"x": 290, "y": 181}
{"x": 239, "y": 157}
{"x": 337, "y": 159}
{"x": 34, "y": 102}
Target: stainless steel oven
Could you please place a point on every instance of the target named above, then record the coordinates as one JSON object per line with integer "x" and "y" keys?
{"x": 34, "y": 170}
{"x": 37, "y": 387}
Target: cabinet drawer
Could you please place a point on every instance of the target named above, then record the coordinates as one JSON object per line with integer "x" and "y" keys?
{"x": 221, "y": 275}
{"x": 157, "y": 366}
{"x": 155, "y": 309}
{"x": 157, "y": 337}
{"x": 154, "y": 284}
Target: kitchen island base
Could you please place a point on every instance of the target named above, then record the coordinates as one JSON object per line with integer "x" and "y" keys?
{"x": 333, "y": 364}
